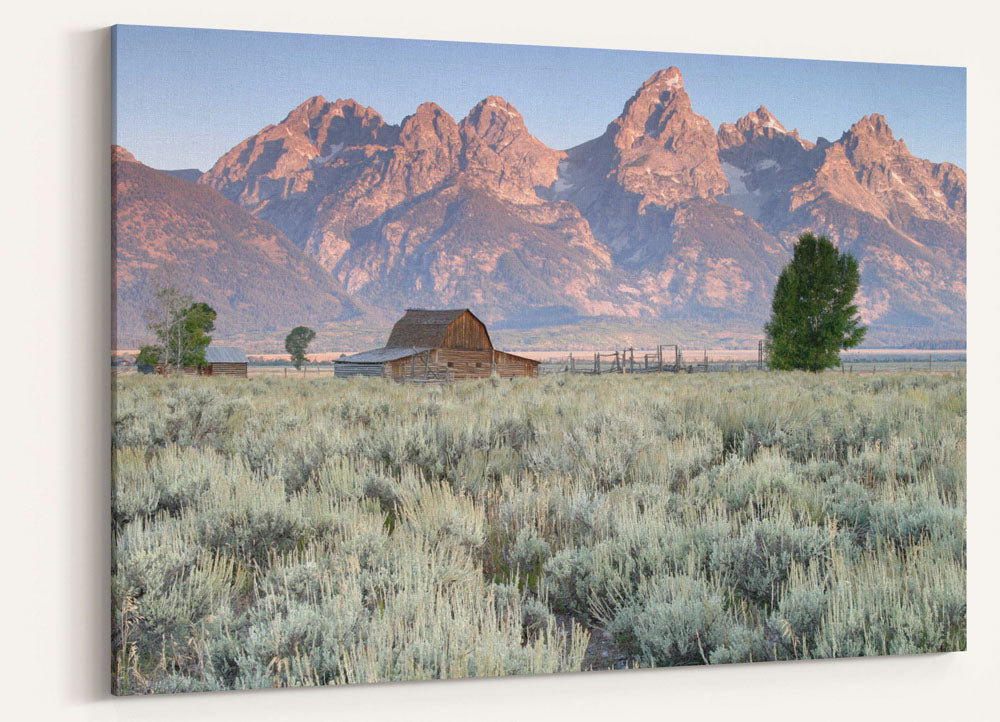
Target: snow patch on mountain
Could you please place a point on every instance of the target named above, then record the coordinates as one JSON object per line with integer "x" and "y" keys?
{"x": 324, "y": 159}
{"x": 739, "y": 196}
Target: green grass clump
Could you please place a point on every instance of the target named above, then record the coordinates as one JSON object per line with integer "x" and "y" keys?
{"x": 278, "y": 532}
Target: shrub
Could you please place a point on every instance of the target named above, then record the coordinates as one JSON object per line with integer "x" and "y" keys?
{"x": 301, "y": 532}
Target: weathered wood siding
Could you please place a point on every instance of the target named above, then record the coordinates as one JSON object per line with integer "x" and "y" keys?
{"x": 460, "y": 364}
{"x": 508, "y": 365}
{"x": 345, "y": 370}
{"x": 162, "y": 370}
{"x": 418, "y": 367}
{"x": 467, "y": 332}
{"x": 227, "y": 369}
{"x": 464, "y": 364}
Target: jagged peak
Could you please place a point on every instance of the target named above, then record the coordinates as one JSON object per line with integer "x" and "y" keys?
{"x": 317, "y": 106}
{"x": 493, "y": 105}
{"x": 120, "y": 154}
{"x": 664, "y": 87}
{"x": 493, "y": 117}
{"x": 430, "y": 109}
{"x": 308, "y": 108}
{"x": 349, "y": 106}
{"x": 495, "y": 101}
{"x": 874, "y": 124}
{"x": 870, "y": 138}
{"x": 760, "y": 119}
{"x": 651, "y": 105}
{"x": 667, "y": 78}
{"x": 428, "y": 120}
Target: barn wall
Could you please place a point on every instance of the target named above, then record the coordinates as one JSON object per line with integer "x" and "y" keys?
{"x": 467, "y": 332}
{"x": 464, "y": 364}
{"x": 509, "y": 365}
{"x": 400, "y": 368}
{"x": 227, "y": 369}
{"x": 162, "y": 370}
{"x": 460, "y": 364}
{"x": 345, "y": 370}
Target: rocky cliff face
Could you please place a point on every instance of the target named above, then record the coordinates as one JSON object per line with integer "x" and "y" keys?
{"x": 660, "y": 217}
{"x": 762, "y": 162}
{"x": 500, "y": 156}
{"x": 648, "y": 187}
{"x": 656, "y": 154}
{"x": 432, "y": 212}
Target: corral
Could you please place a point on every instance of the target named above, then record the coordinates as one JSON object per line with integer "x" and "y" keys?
{"x": 437, "y": 345}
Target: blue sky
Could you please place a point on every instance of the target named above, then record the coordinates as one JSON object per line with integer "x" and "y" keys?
{"x": 186, "y": 96}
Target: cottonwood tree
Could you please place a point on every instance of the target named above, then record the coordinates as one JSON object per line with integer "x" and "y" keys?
{"x": 813, "y": 315}
{"x": 149, "y": 356}
{"x": 296, "y": 343}
{"x": 181, "y": 326}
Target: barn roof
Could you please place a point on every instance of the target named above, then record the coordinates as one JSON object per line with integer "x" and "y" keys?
{"x": 521, "y": 358}
{"x": 381, "y": 355}
{"x": 421, "y": 327}
{"x": 225, "y": 355}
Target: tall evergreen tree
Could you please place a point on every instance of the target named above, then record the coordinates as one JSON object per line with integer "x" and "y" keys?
{"x": 813, "y": 315}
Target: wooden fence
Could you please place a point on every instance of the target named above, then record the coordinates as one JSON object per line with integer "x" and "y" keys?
{"x": 667, "y": 357}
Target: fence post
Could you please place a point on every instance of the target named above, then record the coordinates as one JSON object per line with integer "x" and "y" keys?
{"x": 631, "y": 360}
{"x": 572, "y": 367}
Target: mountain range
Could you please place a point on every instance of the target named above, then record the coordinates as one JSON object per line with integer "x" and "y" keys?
{"x": 663, "y": 224}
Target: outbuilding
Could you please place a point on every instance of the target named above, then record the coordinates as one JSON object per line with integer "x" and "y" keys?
{"x": 219, "y": 361}
{"x": 444, "y": 345}
{"x": 225, "y": 361}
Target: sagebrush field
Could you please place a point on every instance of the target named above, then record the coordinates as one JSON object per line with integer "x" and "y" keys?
{"x": 279, "y": 532}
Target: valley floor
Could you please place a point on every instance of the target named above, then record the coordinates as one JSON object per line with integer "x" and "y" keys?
{"x": 313, "y": 531}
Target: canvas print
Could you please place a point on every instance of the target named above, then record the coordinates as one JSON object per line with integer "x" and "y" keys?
{"x": 437, "y": 360}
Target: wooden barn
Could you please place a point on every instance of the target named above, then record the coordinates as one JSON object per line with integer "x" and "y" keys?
{"x": 427, "y": 345}
{"x": 219, "y": 360}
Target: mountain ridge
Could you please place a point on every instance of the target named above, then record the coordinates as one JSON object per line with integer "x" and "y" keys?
{"x": 662, "y": 217}
{"x": 169, "y": 232}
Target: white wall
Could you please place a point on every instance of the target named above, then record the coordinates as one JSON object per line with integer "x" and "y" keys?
{"x": 55, "y": 285}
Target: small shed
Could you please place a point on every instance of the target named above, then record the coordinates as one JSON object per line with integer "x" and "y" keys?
{"x": 219, "y": 361}
{"x": 429, "y": 345}
{"x": 225, "y": 361}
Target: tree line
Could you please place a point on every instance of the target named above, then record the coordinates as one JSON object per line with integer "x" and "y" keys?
{"x": 813, "y": 316}
{"x": 182, "y": 327}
